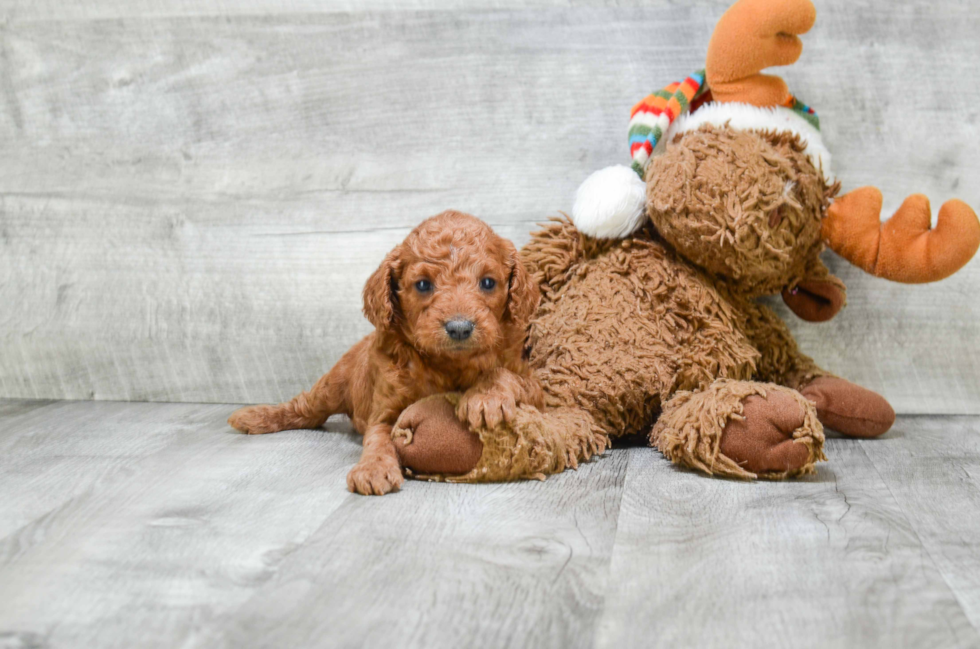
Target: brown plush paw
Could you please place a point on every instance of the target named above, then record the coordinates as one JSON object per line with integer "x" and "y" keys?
{"x": 848, "y": 408}
{"x": 375, "y": 477}
{"x": 762, "y": 441}
{"x": 431, "y": 440}
{"x": 255, "y": 420}
{"x": 583, "y": 442}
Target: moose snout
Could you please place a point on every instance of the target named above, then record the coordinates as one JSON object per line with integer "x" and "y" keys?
{"x": 459, "y": 328}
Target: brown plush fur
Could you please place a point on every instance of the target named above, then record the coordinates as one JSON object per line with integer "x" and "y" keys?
{"x": 766, "y": 240}
{"x": 661, "y": 332}
{"x": 696, "y": 428}
{"x": 531, "y": 445}
{"x": 628, "y": 329}
{"x": 411, "y": 355}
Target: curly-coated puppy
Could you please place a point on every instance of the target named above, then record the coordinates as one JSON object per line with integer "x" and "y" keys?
{"x": 450, "y": 306}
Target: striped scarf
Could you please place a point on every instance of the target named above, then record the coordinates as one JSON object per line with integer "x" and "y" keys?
{"x": 655, "y": 113}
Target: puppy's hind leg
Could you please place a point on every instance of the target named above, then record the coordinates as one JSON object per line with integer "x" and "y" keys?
{"x": 306, "y": 410}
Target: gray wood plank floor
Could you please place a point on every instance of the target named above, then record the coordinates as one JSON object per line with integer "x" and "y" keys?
{"x": 154, "y": 525}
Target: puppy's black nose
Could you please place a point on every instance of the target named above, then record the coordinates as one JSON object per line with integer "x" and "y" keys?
{"x": 459, "y": 329}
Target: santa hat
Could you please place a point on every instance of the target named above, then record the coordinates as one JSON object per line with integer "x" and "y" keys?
{"x": 611, "y": 203}
{"x": 731, "y": 91}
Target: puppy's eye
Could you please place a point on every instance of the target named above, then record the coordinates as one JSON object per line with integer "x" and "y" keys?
{"x": 423, "y": 286}
{"x": 488, "y": 283}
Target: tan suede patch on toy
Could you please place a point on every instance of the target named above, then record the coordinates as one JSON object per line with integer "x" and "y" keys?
{"x": 690, "y": 429}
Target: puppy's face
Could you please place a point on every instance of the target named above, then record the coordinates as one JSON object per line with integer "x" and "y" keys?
{"x": 454, "y": 303}
{"x": 453, "y": 287}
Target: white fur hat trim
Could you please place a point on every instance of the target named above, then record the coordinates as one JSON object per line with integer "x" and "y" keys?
{"x": 754, "y": 118}
{"x": 611, "y": 203}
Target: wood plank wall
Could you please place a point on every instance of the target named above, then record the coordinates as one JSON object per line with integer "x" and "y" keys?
{"x": 192, "y": 194}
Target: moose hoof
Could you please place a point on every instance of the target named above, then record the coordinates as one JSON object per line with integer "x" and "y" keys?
{"x": 770, "y": 437}
{"x": 430, "y": 439}
{"x": 848, "y": 408}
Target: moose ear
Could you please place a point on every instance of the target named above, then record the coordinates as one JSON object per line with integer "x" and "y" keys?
{"x": 523, "y": 294}
{"x": 818, "y": 296}
{"x": 815, "y": 300}
{"x": 381, "y": 293}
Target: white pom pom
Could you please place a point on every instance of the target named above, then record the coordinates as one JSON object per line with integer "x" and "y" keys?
{"x": 610, "y": 204}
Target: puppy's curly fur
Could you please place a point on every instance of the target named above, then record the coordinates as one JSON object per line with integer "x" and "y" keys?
{"x": 450, "y": 306}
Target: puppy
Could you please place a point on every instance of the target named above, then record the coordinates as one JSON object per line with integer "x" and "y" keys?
{"x": 450, "y": 306}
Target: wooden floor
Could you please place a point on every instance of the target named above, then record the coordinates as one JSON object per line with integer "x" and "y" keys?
{"x": 155, "y": 525}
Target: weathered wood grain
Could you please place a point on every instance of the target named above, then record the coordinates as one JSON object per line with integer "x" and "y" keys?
{"x": 33, "y": 10}
{"x": 13, "y": 411}
{"x": 512, "y": 565}
{"x": 932, "y": 466}
{"x": 159, "y": 526}
{"x": 831, "y": 561}
{"x": 154, "y": 525}
{"x": 138, "y": 523}
{"x": 192, "y": 194}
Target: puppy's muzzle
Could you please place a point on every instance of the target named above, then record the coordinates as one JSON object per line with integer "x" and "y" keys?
{"x": 459, "y": 329}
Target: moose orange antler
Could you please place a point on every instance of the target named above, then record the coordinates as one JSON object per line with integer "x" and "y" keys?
{"x": 751, "y": 36}
{"x": 904, "y": 248}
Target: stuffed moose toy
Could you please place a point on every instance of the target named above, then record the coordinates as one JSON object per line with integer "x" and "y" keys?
{"x": 649, "y": 321}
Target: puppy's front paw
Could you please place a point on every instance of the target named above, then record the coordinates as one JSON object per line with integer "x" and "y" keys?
{"x": 486, "y": 408}
{"x": 256, "y": 420}
{"x": 375, "y": 477}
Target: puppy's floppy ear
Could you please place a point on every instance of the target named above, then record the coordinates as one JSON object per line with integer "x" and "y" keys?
{"x": 380, "y": 292}
{"x": 523, "y": 294}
